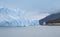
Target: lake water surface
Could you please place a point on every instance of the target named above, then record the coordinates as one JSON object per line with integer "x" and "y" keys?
{"x": 30, "y": 31}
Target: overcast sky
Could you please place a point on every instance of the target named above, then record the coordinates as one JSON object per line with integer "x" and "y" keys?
{"x": 32, "y": 5}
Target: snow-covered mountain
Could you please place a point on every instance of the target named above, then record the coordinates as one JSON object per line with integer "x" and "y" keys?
{"x": 15, "y": 17}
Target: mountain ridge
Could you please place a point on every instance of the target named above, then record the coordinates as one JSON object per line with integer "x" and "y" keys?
{"x": 50, "y": 17}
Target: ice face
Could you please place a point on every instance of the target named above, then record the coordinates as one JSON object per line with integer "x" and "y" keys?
{"x": 9, "y": 17}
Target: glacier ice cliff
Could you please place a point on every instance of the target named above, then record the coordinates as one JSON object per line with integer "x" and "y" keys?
{"x": 15, "y": 17}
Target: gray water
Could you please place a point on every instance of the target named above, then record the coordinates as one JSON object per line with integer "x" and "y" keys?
{"x": 30, "y": 31}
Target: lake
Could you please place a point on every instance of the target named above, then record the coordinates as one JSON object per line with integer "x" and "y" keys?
{"x": 30, "y": 31}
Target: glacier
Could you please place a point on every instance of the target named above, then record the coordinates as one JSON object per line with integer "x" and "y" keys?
{"x": 15, "y": 17}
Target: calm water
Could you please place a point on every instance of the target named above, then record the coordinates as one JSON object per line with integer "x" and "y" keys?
{"x": 30, "y": 31}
